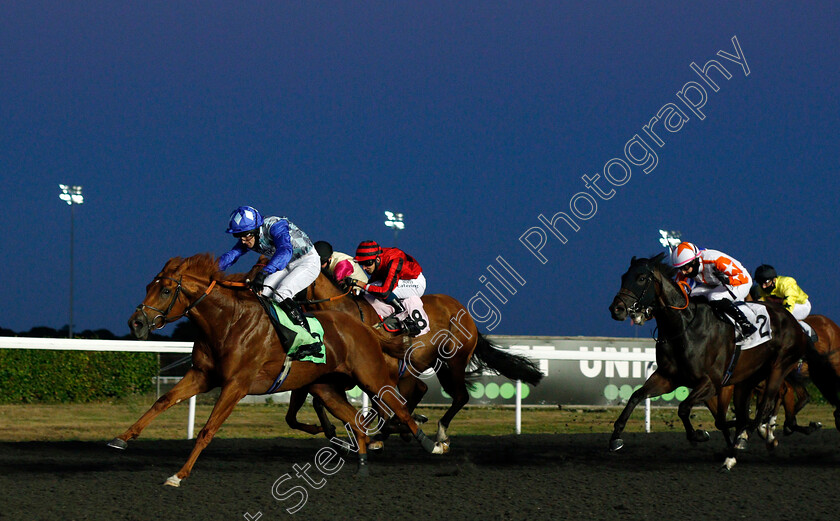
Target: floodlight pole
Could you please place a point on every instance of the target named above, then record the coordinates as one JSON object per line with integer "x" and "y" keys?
{"x": 72, "y": 241}
{"x": 71, "y": 195}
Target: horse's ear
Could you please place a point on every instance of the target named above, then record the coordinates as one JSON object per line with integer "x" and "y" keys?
{"x": 659, "y": 257}
{"x": 633, "y": 260}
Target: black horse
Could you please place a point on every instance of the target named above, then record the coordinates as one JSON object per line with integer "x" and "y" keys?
{"x": 696, "y": 349}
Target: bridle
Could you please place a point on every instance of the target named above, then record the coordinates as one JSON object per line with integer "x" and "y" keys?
{"x": 637, "y": 307}
{"x": 163, "y": 316}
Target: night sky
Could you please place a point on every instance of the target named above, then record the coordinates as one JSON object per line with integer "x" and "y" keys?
{"x": 477, "y": 120}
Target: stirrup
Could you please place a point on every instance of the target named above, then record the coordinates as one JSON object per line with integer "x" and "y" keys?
{"x": 411, "y": 327}
{"x": 391, "y": 324}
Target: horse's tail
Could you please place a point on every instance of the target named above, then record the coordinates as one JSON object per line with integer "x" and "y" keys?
{"x": 488, "y": 355}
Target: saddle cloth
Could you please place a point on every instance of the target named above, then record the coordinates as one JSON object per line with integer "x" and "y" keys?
{"x": 303, "y": 336}
{"x": 413, "y": 307}
{"x": 758, "y": 316}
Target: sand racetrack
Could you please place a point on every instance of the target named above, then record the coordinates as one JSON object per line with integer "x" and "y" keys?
{"x": 656, "y": 476}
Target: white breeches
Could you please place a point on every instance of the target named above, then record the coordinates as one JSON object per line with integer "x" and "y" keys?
{"x": 294, "y": 278}
{"x": 800, "y": 311}
{"x": 407, "y": 287}
{"x": 720, "y": 292}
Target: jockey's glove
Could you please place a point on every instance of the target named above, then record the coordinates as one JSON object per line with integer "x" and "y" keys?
{"x": 257, "y": 284}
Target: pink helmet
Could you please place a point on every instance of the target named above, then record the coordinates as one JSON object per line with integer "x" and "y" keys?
{"x": 343, "y": 269}
{"x": 684, "y": 253}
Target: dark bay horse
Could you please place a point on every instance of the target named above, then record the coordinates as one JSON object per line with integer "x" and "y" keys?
{"x": 824, "y": 357}
{"x": 239, "y": 351}
{"x": 451, "y": 346}
{"x": 695, "y": 349}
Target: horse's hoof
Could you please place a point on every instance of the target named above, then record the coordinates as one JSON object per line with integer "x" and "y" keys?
{"x": 376, "y": 446}
{"x": 701, "y": 436}
{"x": 728, "y": 463}
{"x": 723, "y": 469}
{"x": 419, "y": 418}
{"x": 814, "y": 426}
{"x": 406, "y": 437}
{"x": 363, "y": 471}
{"x": 741, "y": 444}
{"x": 616, "y": 444}
{"x": 173, "y": 481}
{"x": 440, "y": 448}
{"x": 117, "y": 443}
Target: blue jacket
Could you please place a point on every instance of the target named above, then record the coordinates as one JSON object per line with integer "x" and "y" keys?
{"x": 280, "y": 239}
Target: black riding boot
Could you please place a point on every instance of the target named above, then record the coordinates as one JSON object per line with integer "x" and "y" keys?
{"x": 395, "y": 325}
{"x": 743, "y": 326}
{"x": 292, "y": 310}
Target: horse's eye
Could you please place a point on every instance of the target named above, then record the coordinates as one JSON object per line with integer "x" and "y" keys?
{"x": 164, "y": 292}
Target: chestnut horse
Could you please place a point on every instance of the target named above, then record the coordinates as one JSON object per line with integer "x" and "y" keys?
{"x": 696, "y": 349}
{"x": 452, "y": 343}
{"x": 240, "y": 352}
{"x": 824, "y": 363}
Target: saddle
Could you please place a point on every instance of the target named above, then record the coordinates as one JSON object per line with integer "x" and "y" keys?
{"x": 299, "y": 343}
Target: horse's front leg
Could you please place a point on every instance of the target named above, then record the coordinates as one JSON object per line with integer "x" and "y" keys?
{"x": 194, "y": 382}
{"x": 232, "y": 392}
{"x": 656, "y": 385}
{"x": 705, "y": 390}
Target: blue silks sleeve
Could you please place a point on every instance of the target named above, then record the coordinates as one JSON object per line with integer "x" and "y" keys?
{"x": 283, "y": 247}
{"x": 227, "y": 259}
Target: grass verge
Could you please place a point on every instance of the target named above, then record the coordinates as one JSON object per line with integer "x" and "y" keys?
{"x": 101, "y": 421}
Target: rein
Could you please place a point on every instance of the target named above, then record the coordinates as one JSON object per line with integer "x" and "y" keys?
{"x": 309, "y": 302}
{"x": 331, "y": 299}
{"x": 683, "y": 285}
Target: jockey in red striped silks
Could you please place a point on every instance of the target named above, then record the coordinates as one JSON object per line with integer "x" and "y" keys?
{"x": 394, "y": 275}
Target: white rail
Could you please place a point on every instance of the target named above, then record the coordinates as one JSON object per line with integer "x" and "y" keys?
{"x": 638, "y": 355}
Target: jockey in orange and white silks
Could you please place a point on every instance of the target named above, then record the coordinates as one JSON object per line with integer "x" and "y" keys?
{"x": 716, "y": 276}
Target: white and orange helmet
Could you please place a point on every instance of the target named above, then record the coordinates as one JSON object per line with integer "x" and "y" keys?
{"x": 684, "y": 253}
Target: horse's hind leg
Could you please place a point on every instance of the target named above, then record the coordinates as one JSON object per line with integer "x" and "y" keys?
{"x": 194, "y": 382}
{"x": 455, "y": 385}
{"x": 654, "y": 386}
{"x": 795, "y": 399}
{"x": 389, "y": 399}
{"x": 230, "y": 396}
{"x": 296, "y": 401}
{"x": 336, "y": 402}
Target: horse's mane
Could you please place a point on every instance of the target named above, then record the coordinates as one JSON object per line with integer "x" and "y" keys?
{"x": 201, "y": 264}
{"x": 657, "y": 263}
{"x": 207, "y": 265}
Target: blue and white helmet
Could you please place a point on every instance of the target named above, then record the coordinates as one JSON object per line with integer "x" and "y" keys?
{"x": 244, "y": 219}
